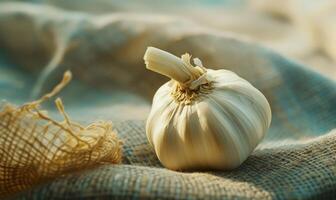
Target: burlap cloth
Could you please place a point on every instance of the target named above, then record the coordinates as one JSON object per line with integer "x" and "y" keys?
{"x": 296, "y": 160}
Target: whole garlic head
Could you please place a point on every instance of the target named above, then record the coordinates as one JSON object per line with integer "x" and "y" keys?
{"x": 203, "y": 118}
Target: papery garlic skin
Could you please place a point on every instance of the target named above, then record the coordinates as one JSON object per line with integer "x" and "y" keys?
{"x": 217, "y": 129}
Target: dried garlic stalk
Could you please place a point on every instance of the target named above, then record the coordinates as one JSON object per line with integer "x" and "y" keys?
{"x": 35, "y": 148}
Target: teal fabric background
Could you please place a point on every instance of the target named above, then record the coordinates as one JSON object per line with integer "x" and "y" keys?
{"x": 296, "y": 160}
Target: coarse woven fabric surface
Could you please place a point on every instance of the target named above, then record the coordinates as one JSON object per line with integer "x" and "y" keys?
{"x": 296, "y": 160}
{"x": 302, "y": 172}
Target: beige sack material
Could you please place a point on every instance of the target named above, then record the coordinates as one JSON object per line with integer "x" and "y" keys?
{"x": 316, "y": 19}
{"x": 35, "y": 148}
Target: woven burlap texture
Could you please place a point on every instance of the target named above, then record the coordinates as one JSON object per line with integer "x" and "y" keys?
{"x": 295, "y": 160}
{"x": 35, "y": 148}
{"x": 301, "y": 172}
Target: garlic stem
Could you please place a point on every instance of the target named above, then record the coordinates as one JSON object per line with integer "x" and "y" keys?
{"x": 167, "y": 64}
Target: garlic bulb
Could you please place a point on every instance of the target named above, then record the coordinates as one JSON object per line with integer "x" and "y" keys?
{"x": 203, "y": 118}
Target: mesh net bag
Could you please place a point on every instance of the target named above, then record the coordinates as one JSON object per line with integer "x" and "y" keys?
{"x": 35, "y": 148}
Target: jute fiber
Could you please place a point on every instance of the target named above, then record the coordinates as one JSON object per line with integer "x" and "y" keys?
{"x": 35, "y": 148}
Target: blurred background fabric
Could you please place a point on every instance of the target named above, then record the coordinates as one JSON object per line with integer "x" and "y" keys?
{"x": 287, "y": 49}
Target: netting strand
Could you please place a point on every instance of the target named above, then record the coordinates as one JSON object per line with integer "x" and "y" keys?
{"x": 35, "y": 148}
